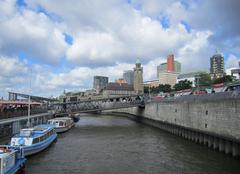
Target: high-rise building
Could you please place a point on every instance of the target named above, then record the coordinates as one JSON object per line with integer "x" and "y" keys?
{"x": 138, "y": 78}
{"x": 169, "y": 78}
{"x": 170, "y": 63}
{"x": 170, "y": 66}
{"x": 217, "y": 66}
{"x": 129, "y": 76}
{"x": 167, "y": 72}
{"x": 99, "y": 82}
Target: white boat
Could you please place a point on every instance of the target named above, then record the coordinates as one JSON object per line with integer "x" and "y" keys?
{"x": 36, "y": 139}
{"x": 62, "y": 124}
{"x": 11, "y": 160}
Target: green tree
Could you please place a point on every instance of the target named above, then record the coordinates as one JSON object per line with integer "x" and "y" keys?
{"x": 225, "y": 79}
{"x": 204, "y": 79}
{"x": 181, "y": 85}
{"x": 146, "y": 90}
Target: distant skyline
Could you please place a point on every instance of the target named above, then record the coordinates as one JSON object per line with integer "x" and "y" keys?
{"x": 62, "y": 45}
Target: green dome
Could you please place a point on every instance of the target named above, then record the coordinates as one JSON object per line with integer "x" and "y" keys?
{"x": 138, "y": 61}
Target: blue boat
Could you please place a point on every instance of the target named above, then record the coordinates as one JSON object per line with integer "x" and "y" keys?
{"x": 11, "y": 160}
{"x": 36, "y": 139}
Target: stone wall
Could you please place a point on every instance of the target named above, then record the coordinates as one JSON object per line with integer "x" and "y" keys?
{"x": 212, "y": 115}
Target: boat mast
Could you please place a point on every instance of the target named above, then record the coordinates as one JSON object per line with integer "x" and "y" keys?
{"x": 29, "y": 100}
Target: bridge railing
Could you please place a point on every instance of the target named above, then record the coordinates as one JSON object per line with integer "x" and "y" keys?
{"x": 99, "y": 105}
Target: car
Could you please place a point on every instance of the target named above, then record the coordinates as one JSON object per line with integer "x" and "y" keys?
{"x": 230, "y": 88}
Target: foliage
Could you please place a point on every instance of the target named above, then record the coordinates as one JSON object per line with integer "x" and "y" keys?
{"x": 204, "y": 79}
{"x": 181, "y": 85}
{"x": 161, "y": 88}
{"x": 225, "y": 79}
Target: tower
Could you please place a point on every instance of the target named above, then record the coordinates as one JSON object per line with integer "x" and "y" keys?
{"x": 138, "y": 77}
{"x": 217, "y": 66}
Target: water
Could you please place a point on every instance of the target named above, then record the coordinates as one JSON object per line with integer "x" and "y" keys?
{"x": 117, "y": 145}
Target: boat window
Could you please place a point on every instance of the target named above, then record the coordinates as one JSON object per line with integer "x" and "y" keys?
{"x": 25, "y": 133}
{"x": 41, "y": 138}
{"x": 61, "y": 123}
{"x": 35, "y": 140}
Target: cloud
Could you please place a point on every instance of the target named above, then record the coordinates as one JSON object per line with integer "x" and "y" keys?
{"x": 67, "y": 43}
{"x": 232, "y": 62}
{"x": 113, "y": 31}
{"x": 30, "y": 32}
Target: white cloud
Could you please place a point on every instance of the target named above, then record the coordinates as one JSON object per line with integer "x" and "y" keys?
{"x": 195, "y": 54}
{"x": 31, "y": 33}
{"x": 232, "y": 62}
{"x": 112, "y": 31}
{"x": 108, "y": 36}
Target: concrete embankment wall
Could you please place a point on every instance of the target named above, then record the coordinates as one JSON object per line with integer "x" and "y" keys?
{"x": 213, "y": 119}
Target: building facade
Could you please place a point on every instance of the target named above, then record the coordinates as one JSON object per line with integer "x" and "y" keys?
{"x": 138, "y": 78}
{"x": 118, "y": 89}
{"x": 99, "y": 82}
{"x": 121, "y": 81}
{"x": 192, "y": 77}
{"x": 167, "y": 72}
{"x": 170, "y": 66}
{"x": 217, "y": 66}
{"x": 129, "y": 76}
{"x": 168, "y": 78}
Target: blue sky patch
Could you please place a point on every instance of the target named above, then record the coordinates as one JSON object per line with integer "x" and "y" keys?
{"x": 21, "y": 3}
{"x": 165, "y": 22}
{"x": 52, "y": 16}
{"x": 68, "y": 38}
{"x": 187, "y": 26}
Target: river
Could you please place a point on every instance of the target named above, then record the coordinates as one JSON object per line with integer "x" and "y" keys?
{"x": 101, "y": 144}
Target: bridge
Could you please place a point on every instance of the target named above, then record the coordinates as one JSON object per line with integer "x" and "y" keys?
{"x": 98, "y": 105}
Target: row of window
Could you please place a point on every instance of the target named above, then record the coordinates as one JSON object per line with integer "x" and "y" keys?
{"x": 43, "y": 137}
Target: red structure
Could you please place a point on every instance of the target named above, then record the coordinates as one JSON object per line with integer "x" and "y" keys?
{"x": 170, "y": 63}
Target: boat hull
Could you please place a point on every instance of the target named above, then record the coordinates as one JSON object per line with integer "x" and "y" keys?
{"x": 18, "y": 168}
{"x": 33, "y": 149}
{"x": 64, "y": 129}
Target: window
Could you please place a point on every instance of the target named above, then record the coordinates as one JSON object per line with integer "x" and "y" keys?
{"x": 35, "y": 141}
{"x": 61, "y": 123}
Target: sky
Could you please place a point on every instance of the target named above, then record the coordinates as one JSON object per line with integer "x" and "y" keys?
{"x": 47, "y": 47}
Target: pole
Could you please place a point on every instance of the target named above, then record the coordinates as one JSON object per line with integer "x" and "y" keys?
{"x": 28, "y": 121}
{"x": 29, "y": 100}
{"x": 149, "y": 90}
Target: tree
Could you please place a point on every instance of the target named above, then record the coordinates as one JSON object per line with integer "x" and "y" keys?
{"x": 204, "y": 79}
{"x": 181, "y": 85}
{"x": 146, "y": 90}
{"x": 225, "y": 79}
{"x": 162, "y": 88}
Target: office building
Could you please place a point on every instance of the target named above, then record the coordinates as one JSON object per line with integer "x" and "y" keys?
{"x": 99, "y": 82}
{"x": 117, "y": 89}
{"x": 192, "y": 77}
{"x": 168, "y": 72}
{"x": 235, "y": 72}
{"x": 170, "y": 66}
{"x": 129, "y": 76}
{"x": 217, "y": 66}
{"x": 169, "y": 78}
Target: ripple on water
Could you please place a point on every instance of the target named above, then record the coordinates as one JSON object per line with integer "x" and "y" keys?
{"x": 112, "y": 145}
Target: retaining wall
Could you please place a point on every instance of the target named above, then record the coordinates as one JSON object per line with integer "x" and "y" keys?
{"x": 211, "y": 119}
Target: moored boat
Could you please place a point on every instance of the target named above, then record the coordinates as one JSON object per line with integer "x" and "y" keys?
{"x": 11, "y": 160}
{"x": 36, "y": 139}
{"x": 62, "y": 124}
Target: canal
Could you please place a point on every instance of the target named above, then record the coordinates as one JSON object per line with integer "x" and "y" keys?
{"x": 116, "y": 145}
